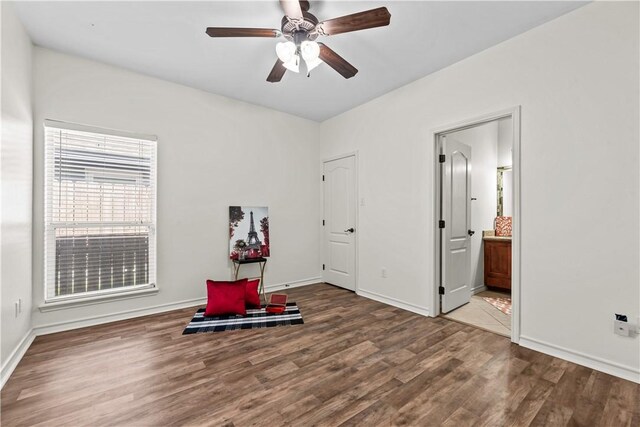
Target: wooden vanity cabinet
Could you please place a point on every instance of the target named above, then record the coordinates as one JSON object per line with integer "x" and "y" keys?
{"x": 497, "y": 263}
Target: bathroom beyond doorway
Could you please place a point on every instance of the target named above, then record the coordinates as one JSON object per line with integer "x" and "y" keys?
{"x": 484, "y": 311}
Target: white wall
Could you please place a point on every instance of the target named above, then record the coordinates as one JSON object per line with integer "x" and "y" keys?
{"x": 507, "y": 193}
{"x": 212, "y": 152}
{"x": 505, "y": 158}
{"x": 16, "y": 184}
{"x": 576, "y": 79}
{"x": 483, "y": 141}
{"x": 505, "y": 143}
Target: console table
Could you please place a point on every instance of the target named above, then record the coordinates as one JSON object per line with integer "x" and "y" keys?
{"x": 262, "y": 261}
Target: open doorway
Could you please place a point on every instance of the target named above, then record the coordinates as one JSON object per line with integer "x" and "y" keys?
{"x": 477, "y": 258}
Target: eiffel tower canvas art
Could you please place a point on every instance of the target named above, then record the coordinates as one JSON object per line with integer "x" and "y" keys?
{"x": 248, "y": 232}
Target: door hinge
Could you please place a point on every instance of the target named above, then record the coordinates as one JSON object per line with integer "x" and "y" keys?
{"x": 442, "y": 158}
{"x": 323, "y": 266}
{"x": 323, "y": 177}
{"x": 441, "y": 290}
{"x": 441, "y": 223}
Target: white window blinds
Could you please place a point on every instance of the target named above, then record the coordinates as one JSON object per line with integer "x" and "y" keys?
{"x": 100, "y": 201}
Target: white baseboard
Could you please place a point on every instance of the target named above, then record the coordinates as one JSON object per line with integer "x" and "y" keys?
{"x": 16, "y": 355}
{"x": 579, "y": 358}
{"x": 294, "y": 284}
{"x": 394, "y": 302}
{"x": 52, "y": 328}
{"x": 161, "y": 308}
{"x": 479, "y": 289}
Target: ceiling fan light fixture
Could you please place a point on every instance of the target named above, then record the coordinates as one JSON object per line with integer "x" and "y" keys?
{"x": 285, "y": 51}
{"x": 301, "y": 28}
{"x": 293, "y": 64}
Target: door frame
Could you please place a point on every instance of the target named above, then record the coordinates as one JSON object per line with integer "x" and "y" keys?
{"x": 516, "y": 259}
{"x": 356, "y": 238}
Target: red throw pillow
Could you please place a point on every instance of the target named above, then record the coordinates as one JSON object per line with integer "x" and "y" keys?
{"x": 225, "y": 298}
{"x": 252, "y": 297}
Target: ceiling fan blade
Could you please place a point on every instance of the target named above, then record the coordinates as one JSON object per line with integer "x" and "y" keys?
{"x": 337, "y": 62}
{"x": 277, "y": 72}
{"x": 291, "y": 8}
{"x": 373, "y": 18}
{"x": 242, "y": 32}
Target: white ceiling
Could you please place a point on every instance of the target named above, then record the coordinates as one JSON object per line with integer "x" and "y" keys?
{"x": 167, "y": 40}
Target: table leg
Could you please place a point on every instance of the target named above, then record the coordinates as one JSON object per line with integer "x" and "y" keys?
{"x": 262, "y": 265}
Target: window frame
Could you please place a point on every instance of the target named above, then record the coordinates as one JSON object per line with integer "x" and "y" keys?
{"x": 49, "y": 227}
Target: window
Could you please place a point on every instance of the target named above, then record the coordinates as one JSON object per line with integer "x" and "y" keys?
{"x": 100, "y": 203}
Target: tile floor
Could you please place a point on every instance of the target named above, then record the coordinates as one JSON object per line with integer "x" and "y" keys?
{"x": 482, "y": 314}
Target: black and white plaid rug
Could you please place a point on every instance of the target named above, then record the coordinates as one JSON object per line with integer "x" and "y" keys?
{"x": 257, "y": 318}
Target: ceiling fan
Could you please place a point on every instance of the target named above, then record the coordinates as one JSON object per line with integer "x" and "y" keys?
{"x": 301, "y": 29}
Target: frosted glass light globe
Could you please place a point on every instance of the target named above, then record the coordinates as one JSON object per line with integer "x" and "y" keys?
{"x": 312, "y": 63}
{"x": 285, "y": 51}
{"x": 293, "y": 64}
{"x": 310, "y": 50}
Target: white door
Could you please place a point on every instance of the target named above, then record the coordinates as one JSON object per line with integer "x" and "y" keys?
{"x": 456, "y": 213}
{"x": 339, "y": 248}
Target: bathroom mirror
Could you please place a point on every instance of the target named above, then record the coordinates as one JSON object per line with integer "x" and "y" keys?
{"x": 505, "y": 191}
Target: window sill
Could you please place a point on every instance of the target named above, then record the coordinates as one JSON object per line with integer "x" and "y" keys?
{"x": 97, "y": 299}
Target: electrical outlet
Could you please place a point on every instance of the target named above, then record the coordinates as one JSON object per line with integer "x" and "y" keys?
{"x": 621, "y": 328}
{"x": 383, "y": 272}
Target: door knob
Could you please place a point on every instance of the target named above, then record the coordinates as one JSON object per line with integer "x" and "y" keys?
{"x": 350, "y": 230}
{"x": 471, "y": 232}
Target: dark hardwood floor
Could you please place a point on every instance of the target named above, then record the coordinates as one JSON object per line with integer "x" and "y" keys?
{"x": 353, "y": 362}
